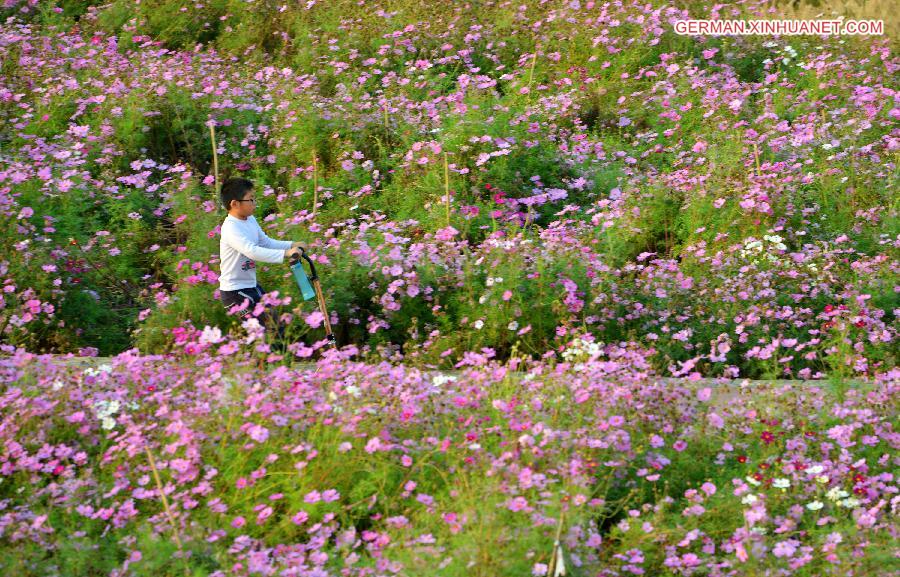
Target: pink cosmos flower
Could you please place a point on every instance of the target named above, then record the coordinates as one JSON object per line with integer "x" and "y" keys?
{"x": 517, "y": 504}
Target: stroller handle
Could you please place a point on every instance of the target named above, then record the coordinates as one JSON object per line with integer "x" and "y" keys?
{"x": 312, "y": 266}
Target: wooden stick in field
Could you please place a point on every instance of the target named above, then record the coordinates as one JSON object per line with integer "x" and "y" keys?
{"x": 212, "y": 134}
{"x": 756, "y": 157}
{"x": 166, "y": 508}
{"x": 315, "y": 184}
{"x": 533, "y": 61}
{"x": 447, "y": 187}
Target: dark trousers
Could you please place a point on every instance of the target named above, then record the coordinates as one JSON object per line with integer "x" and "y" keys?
{"x": 266, "y": 318}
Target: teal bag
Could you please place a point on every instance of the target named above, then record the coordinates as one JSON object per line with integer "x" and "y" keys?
{"x": 306, "y": 288}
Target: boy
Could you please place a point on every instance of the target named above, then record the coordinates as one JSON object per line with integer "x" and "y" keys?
{"x": 242, "y": 243}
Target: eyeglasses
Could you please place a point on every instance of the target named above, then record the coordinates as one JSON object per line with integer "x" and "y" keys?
{"x": 245, "y": 199}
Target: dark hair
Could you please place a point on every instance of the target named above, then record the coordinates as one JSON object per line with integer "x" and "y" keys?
{"x": 234, "y": 189}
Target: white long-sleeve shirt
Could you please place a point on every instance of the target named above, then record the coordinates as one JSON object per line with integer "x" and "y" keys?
{"x": 242, "y": 243}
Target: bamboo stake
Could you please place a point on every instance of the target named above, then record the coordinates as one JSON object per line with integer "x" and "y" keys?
{"x": 756, "y": 157}
{"x": 533, "y": 61}
{"x": 166, "y": 508}
{"x": 315, "y": 184}
{"x": 320, "y": 298}
{"x": 553, "y": 570}
{"x": 447, "y": 187}
{"x": 212, "y": 134}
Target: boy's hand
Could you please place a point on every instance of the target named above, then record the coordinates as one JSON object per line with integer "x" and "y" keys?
{"x": 290, "y": 252}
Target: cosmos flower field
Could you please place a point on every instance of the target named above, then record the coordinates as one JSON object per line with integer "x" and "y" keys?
{"x": 609, "y": 301}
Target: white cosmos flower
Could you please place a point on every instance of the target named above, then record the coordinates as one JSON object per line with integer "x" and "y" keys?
{"x": 836, "y": 494}
{"x": 211, "y": 335}
{"x": 439, "y": 380}
{"x": 105, "y": 408}
{"x": 753, "y": 245}
{"x": 815, "y": 505}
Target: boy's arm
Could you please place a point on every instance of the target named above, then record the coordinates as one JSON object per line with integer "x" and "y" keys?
{"x": 267, "y": 242}
{"x": 249, "y": 248}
